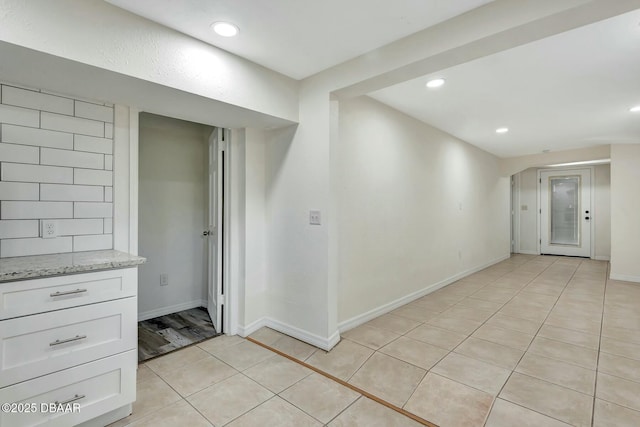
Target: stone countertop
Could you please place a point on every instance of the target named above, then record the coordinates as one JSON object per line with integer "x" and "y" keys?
{"x": 39, "y": 266}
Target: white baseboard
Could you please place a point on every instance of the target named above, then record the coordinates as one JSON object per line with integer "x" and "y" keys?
{"x": 383, "y": 309}
{"x": 529, "y": 252}
{"x": 313, "y": 339}
{"x": 602, "y": 258}
{"x": 624, "y": 277}
{"x": 245, "y": 331}
{"x": 150, "y": 314}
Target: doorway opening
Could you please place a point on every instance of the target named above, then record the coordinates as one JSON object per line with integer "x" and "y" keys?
{"x": 181, "y": 232}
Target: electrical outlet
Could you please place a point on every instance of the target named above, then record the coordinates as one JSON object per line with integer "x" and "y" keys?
{"x": 48, "y": 229}
{"x": 164, "y": 279}
{"x": 314, "y": 217}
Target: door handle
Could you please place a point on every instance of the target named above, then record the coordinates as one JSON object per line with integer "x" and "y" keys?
{"x": 587, "y": 218}
{"x": 206, "y": 233}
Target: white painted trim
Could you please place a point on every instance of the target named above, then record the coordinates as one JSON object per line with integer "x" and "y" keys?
{"x": 233, "y": 245}
{"x": 162, "y": 311}
{"x": 515, "y": 217}
{"x": 529, "y": 253}
{"x": 121, "y": 172}
{"x": 602, "y": 258}
{"x": 383, "y": 309}
{"x": 134, "y": 133}
{"x": 312, "y": 339}
{"x": 624, "y": 277}
{"x": 247, "y": 330}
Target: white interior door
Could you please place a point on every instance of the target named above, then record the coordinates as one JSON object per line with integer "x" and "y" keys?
{"x": 565, "y": 212}
{"x": 215, "y": 232}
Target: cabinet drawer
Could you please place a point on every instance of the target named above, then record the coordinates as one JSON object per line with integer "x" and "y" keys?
{"x": 43, "y": 343}
{"x": 54, "y": 293}
{"x": 98, "y": 387}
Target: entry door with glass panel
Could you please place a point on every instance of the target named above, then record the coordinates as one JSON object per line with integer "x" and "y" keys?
{"x": 565, "y": 212}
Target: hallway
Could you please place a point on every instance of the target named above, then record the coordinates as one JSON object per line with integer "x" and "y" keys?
{"x": 533, "y": 340}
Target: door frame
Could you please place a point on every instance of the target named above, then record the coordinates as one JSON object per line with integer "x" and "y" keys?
{"x": 515, "y": 213}
{"x": 592, "y": 223}
{"x": 125, "y": 199}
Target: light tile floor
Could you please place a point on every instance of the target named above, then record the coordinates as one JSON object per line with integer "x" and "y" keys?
{"x": 229, "y": 381}
{"x": 531, "y": 341}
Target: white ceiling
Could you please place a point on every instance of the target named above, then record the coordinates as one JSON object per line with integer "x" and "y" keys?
{"x": 299, "y": 38}
{"x": 571, "y": 90}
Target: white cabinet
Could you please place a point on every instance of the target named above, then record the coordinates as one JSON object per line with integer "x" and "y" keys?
{"x": 68, "y": 338}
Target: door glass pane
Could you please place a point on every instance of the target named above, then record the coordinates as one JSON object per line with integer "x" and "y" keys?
{"x": 565, "y": 210}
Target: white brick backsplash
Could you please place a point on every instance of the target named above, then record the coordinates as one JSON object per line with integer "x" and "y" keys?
{"x": 25, "y": 247}
{"x": 94, "y": 112}
{"x": 36, "y": 100}
{"x": 92, "y": 144}
{"x": 19, "y": 116}
{"x": 35, "y": 210}
{"x": 19, "y": 153}
{"x": 108, "y": 130}
{"x": 56, "y": 163}
{"x": 75, "y": 227}
{"x": 71, "y": 124}
{"x": 108, "y": 194}
{"x": 108, "y": 225}
{"x": 36, "y": 173}
{"x": 92, "y": 210}
{"x": 19, "y": 191}
{"x": 16, "y": 229}
{"x": 93, "y": 177}
{"x": 41, "y": 137}
{"x": 92, "y": 243}
{"x": 79, "y": 159}
{"x": 71, "y": 193}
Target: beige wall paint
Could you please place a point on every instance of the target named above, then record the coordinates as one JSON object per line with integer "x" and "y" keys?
{"x": 411, "y": 199}
{"x": 529, "y": 233}
{"x": 625, "y": 206}
{"x": 172, "y": 212}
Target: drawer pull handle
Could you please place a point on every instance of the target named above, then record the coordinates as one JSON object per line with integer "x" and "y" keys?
{"x": 59, "y": 294}
{"x": 76, "y": 338}
{"x": 73, "y": 399}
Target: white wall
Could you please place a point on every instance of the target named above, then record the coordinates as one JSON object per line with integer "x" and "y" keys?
{"x": 529, "y": 233}
{"x": 57, "y": 165}
{"x": 625, "y": 205}
{"x": 256, "y": 261}
{"x": 96, "y": 33}
{"x": 602, "y": 211}
{"x": 416, "y": 207}
{"x": 173, "y": 174}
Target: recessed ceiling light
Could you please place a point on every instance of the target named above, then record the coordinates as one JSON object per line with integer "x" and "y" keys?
{"x": 635, "y": 109}
{"x": 434, "y": 83}
{"x": 502, "y": 130}
{"x": 225, "y": 29}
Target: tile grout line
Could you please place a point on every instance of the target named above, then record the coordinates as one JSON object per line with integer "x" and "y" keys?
{"x": 604, "y": 304}
{"x": 346, "y": 384}
{"x": 534, "y": 337}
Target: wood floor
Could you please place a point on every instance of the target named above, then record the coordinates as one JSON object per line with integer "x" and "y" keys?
{"x": 165, "y": 334}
